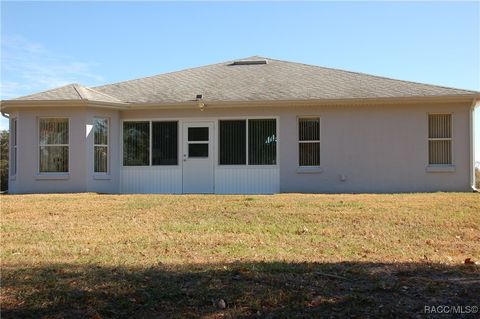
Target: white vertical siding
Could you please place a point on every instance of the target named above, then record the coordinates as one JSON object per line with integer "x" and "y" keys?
{"x": 247, "y": 180}
{"x": 228, "y": 180}
{"x": 154, "y": 179}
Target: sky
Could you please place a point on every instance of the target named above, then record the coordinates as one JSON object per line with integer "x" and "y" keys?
{"x": 49, "y": 44}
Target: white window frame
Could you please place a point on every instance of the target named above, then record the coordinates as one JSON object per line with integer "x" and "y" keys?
{"x": 52, "y": 174}
{"x": 440, "y": 167}
{"x": 102, "y": 145}
{"x": 13, "y": 148}
{"x": 315, "y": 168}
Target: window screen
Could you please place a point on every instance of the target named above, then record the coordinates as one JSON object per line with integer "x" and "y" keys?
{"x": 439, "y": 139}
{"x": 233, "y": 142}
{"x": 164, "y": 143}
{"x": 13, "y": 137}
{"x": 100, "y": 145}
{"x": 309, "y": 141}
{"x": 262, "y": 142}
{"x": 54, "y": 144}
{"x": 197, "y": 134}
{"x": 198, "y": 150}
{"x": 136, "y": 143}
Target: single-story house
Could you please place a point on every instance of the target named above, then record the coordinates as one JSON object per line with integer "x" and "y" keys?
{"x": 249, "y": 126}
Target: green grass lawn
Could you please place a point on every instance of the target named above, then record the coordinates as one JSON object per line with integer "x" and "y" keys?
{"x": 288, "y": 255}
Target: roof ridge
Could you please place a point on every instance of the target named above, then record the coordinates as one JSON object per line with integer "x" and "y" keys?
{"x": 78, "y": 88}
{"x": 373, "y": 75}
{"x": 104, "y": 94}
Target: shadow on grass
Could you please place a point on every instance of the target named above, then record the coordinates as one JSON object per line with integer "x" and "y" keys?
{"x": 250, "y": 289}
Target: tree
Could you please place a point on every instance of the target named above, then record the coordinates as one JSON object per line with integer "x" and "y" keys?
{"x": 4, "y": 160}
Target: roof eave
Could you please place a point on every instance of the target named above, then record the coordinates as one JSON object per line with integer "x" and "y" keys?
{"x": 6, "y": 105}
{"x": 309, "y": 102}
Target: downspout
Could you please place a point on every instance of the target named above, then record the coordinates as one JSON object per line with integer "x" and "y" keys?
{"x": 5, "y": 115}
{"x": 472, "y": 147}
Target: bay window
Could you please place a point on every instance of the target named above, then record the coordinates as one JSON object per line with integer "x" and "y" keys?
{"x": 13, "y": 139}
{"x": 100, "y": 145}
{"x": 54, "y": 145}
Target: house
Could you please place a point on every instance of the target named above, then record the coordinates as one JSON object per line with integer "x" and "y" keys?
{"x": 254, "y": 125}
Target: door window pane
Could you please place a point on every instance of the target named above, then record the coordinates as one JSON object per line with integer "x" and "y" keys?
{"x": 198, "y": 150}
{"x": 197, "y": 134}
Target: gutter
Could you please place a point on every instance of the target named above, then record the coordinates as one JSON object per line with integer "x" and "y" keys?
{"x": 5, "y": 115}
{"x": 472, "y": 147}
{"x": 4, "y": 105}
{"x": 8, "y": 104}
{"x": 312, "y": 102}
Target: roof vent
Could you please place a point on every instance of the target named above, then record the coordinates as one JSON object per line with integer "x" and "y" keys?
{"x": 249, "y": 62}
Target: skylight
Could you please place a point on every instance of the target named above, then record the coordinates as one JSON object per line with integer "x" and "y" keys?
{"x": 249, "y": 62}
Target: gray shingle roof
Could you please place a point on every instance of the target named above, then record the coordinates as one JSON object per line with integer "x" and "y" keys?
{"x": 71, "y": 92}
{"x": 275, "y": 80}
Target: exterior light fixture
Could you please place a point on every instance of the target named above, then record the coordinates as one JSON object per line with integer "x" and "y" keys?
{"x": 200, "y": 103}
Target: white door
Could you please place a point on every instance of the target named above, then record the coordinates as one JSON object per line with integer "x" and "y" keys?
{"x": 198, "y": 158}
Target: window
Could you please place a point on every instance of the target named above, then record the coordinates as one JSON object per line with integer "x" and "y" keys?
{"x": 439, "y": 139}
{"x": 164, "y": 143}
{"x": 233, "y": 142}
{"x": 13, "y": 161}
{"x": 136, "y": 143}
{"x": 54, "y": 145}
{"x": 197, "y": 135}
{"x": 262, "y": 142}
{"x": 100, "y": 145}
{"x": 309, "y": 141}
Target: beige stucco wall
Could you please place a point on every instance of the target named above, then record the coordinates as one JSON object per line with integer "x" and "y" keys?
{"x": 80, "y": 177}
{"x": 376, "y": 148}
{"x": 102, "y": 183}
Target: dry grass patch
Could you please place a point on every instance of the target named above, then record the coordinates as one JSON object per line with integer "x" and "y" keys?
{"x": 144, "y": 255}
